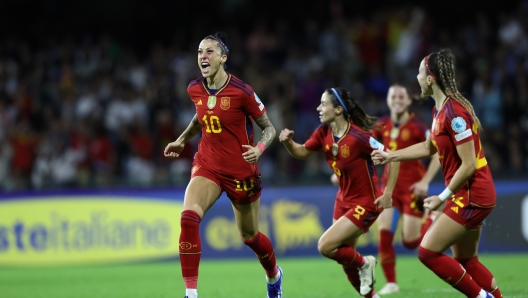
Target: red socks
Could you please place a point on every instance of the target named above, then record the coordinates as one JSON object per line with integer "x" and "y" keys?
{"x": 348, "y": 257}
{"x": 480, "y": 274}
{"x": 450, "y": 271}
{"x": 387, "y": 255}
{"x": 261, "y": 246}
{"x": 190, "y": 248}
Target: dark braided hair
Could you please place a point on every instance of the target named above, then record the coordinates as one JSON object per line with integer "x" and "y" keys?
{"x": 441, "y": 66}
{"x": 351, "y": 110}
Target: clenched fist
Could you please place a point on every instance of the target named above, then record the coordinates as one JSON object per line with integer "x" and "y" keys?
{"x": 286, "y": 135}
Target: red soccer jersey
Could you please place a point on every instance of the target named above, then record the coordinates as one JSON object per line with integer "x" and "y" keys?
{"x": 453, "y": 126}
{"x": 226, "y": 116}
{"x": 398, "y": 137}
{"x": 349, "y": 157}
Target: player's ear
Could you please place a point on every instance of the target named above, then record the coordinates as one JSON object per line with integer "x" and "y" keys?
{"x": 339, "y": 110}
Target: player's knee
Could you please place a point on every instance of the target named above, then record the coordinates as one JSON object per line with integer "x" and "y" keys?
{"x": 189, "y": 220}
{"x": 325, "y": 249}
{"x": 411, "y": 244}
{"x": 493, "y": 283}
{"x": 426, "y": 256}
{"x": 248, "y": 235}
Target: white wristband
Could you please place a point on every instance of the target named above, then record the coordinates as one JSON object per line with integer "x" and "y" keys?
{"x": 445, "y": 194}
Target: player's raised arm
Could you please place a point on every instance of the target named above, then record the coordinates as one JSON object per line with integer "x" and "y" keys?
{"x": 174, "y": 149}
{"x": 268, "y": 134}
{"x": 295, "y": 149}
{"x": 416, "y": 151}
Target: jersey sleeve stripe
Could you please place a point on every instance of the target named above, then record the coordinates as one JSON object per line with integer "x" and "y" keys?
{"x": 358, "y": 136}
{"x": 245, "y": 90}
{"x": 242, "y": 85}
{"x": 371, "y": 171}
{"x": 450, "y": 110}
{"x": 194, "y": 83}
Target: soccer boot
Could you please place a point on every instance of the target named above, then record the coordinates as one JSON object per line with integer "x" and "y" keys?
{"x": 367, "y": 276}
{"x": 275, "y": 290}
{"x": 389, "y": 288}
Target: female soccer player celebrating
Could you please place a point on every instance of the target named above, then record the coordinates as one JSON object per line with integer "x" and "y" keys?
{"x": 346, "y": 141}
{"x": 399, "y": 130}
{"x": 470, "y": 193}
{"x": 226, "y": 161}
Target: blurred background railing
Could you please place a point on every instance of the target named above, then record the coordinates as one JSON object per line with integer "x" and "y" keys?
{"x": 92, "y": 91}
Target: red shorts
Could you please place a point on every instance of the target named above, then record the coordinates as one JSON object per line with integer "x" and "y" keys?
{"x": 362, "y": 216}
{"x": 244, "y": 190}
{"x": 406, "y": 202}
{"x": 459, "y": 209}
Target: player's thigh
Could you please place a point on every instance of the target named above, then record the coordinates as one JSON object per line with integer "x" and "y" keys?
{"x": 200, "y": 195}
{"x": 443, "y": 233}
{"x": 246, "y": 217}
{"x": 342, "y": 231}
{"x": 385, "y": 219}
{"x": 467, "y": 247}
{"x": 411, "y": 227}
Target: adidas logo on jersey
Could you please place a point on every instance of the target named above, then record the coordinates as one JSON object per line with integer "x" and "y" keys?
{"x": 199, "y": 103}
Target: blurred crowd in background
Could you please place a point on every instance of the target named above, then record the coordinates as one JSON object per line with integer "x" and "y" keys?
{"x": 90, "y": 111}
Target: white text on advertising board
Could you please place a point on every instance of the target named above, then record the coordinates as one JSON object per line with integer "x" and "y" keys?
{"x": 92, "y": 229}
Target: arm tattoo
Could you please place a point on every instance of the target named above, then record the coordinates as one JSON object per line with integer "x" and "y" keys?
{"x": 268, "y": 131}
{"x": 193, "y": 129}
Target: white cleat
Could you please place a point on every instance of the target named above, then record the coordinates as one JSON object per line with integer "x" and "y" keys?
{"x": 367, "y": 276}
{"x": 389, "y": 288}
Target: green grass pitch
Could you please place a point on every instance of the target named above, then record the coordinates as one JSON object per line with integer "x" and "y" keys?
{"x": 303, "y": 277}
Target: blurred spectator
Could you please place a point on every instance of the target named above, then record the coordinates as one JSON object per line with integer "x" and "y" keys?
{"x": 94, "y": 111}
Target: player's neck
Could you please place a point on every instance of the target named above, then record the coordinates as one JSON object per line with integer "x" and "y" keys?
{"x": 218, "y": 80}
{"x": 400, "y": 118}
{"x": 439, "y": 97}
{"x": 339, "y": 128}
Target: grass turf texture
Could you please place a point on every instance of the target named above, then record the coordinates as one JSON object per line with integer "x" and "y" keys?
{"x": 303, "y": 277}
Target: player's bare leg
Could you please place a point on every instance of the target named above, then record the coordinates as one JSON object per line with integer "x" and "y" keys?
{"x": 444, "y": 233}
{"x": 411, "y": 231}
{"x": 387, "y": 224}
{"x": 333, "y": 245}
{"x": 465, "y": 252}
{"x": 246, "y": 216}
{"x": 200, "y": 195}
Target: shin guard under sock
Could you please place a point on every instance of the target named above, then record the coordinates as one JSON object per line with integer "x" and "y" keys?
{"x": 261, "y": 246}
{"x": 480, "y": 274}
{"x": 190, "y": 248}
{"x": 450, "y": 271}
{"x": 387, "y": 255}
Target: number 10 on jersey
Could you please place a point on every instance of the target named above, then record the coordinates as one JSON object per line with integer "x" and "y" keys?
{"x": 212, "y": 124}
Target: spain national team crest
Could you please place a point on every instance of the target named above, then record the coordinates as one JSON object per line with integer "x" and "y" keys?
{"x": 211, "y": 101}
{"x": 225, "y": 103}
{"x": 437, "y": 127}
{"x": 405, "y": 134}
{"x": 345, "y": 151}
